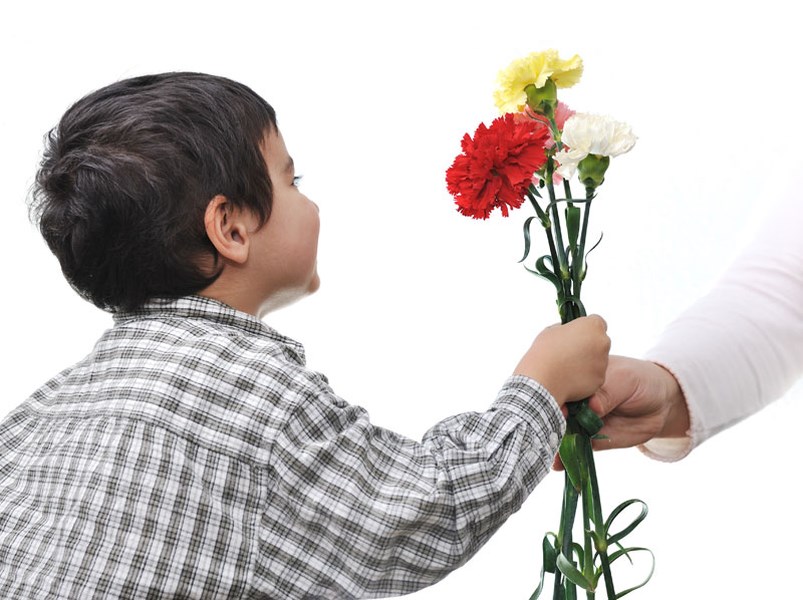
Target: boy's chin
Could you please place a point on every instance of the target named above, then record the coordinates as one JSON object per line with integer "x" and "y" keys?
{"x": 288, "y": 297}
{"x": 315, "y": 284}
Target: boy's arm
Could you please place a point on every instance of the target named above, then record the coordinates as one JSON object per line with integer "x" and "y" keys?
{"x": 364, "y": 512}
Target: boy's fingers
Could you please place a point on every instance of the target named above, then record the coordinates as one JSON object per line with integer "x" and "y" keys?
{"x": 602, "y": 321}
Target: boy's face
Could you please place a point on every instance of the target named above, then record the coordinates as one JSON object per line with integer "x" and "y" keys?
{"x": 286, "y": 247}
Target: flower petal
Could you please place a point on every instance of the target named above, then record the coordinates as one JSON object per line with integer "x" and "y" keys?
{"x": 497, "y": 165}
{"x": 534, "y": 69}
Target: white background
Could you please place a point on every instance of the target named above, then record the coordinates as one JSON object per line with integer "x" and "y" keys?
{"x": 423, "y": 313}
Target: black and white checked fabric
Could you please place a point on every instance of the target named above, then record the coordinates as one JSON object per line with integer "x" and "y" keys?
{"x": 192, "y": 454}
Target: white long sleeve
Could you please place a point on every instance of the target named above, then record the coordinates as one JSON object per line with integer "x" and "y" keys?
{"x": 741, "y": 346}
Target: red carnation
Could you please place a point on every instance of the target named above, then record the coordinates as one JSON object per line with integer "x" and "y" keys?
{"x": 497, "y": 166}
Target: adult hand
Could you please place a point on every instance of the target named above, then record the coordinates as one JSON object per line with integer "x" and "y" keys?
{"x": 639, "y": 401}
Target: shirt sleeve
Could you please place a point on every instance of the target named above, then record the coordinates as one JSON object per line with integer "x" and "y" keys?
{"x": 359, "y": 511}
{"x": 741, "y": 346}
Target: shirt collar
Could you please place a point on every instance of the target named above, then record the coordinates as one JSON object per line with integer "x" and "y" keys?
{"x": 208, "y": 309}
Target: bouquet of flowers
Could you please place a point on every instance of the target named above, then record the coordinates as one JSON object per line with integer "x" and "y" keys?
{"x": 536, "y": 147}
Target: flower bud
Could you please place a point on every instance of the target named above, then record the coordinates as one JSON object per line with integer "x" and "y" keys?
{"x": 591, "y": 170}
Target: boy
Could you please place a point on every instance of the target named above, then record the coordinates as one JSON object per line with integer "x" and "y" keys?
{"x": 192, "y": 454}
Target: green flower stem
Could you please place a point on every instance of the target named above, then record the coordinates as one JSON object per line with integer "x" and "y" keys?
{"x": 556, "y": 220}
{"x": 566, "y": 310}
{"x": 563, "y": 262}
{"x": 548, "y": 228}
{"x": 589, "y": 491}
{"x": 606, "y": 574}
{"x": 577, "y": 251}
{"x": 599, "y": 525}
{"x": 567, "y": 189}
{"x": 569, "y": 267}
{"x": 580, "y": 269}
{"x": 568, "y": 512}
{"x": 588, "y": 555}
{"x": 555, "y": 132}
{"x": 584, "y": 230}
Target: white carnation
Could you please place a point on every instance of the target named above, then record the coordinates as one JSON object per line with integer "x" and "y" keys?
{"x": 586, "y": 134}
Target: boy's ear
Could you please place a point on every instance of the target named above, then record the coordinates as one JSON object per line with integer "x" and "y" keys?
{"x": 227, "y": 228}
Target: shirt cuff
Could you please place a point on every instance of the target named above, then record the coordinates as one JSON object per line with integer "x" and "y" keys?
{"x": 532, "y": 402}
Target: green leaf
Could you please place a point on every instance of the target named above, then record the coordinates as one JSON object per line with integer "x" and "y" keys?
{"x": 537, "y": 593}
{"x": 542, "y": 216}
{"x": 542, "y": 267}
{"x": 543, "y": 271}
{"x": 612, "y": 539}
{"x": 549, "y": 554}
{"x": 574, "y": 300}
{"x": 572, "y": 455}
{"x": 599, "y": 241}
{"x": 621, "y": 552}
{"x": 573, "y": 574}
{"x": 599, "y": 540}
{"x": 527, "y": 238}
{"x": 573, "y": 225}
{"x": 552, "y": 279}
{"x": 579, "y": 552}
{"x": 627, "y": 552}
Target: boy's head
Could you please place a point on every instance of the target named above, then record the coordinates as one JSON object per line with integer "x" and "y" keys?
{"x": 129, "y": 172}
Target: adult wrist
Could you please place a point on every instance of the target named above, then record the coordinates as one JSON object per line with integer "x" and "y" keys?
{"x": 676, "y": 424}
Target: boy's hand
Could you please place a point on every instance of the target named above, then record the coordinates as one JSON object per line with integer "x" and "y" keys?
{"x": 569, "y": 360}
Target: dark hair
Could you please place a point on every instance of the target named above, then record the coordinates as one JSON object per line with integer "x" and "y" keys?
{"x": 128, "y": 172}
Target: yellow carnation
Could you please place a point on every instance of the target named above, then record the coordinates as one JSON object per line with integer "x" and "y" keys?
{"x": 535, "y": 68}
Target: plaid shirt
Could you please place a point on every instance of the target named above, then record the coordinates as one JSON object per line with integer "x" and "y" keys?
{"x": 192, "y": 455}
